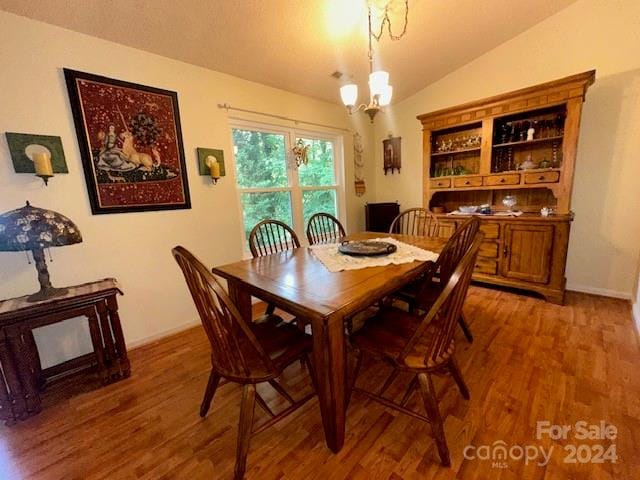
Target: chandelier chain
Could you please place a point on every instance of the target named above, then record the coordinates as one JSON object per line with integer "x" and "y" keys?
{"x": 386, "y": 20}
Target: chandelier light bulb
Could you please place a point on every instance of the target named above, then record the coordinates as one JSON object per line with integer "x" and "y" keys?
{"x": 349, "y": 94}
{"x": 385, "y": 97}
{"x": 378, "y": 82}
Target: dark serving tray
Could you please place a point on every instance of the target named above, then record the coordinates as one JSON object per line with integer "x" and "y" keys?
{"x": 367, "y": 248}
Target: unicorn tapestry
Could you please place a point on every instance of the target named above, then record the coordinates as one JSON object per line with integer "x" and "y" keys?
{"x": 131, "y": 144}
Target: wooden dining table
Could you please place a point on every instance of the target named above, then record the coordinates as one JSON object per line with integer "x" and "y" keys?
{"x": 298, "y": 283}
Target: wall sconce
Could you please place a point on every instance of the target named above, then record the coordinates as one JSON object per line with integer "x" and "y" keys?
{"x": 41, "y": 155}
{"x": 214, "y": 168}
{"x": 211, "y": 163}
{"x": 43, "y": 166}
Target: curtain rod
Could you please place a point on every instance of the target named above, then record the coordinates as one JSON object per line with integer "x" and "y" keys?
{"x": 228, "y": 107}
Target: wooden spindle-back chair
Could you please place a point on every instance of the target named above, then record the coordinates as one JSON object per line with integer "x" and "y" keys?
{"x": 242, "y": 352}
{"x": 421, "y": 345}
{"x": 324, "y": 228}
{"x": 271, "y": 236}
{"x": 423, "y": 293}
{"x": 415, "y": 221}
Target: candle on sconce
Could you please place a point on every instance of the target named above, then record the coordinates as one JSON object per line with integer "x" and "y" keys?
{"x": 214, "y": 167}
{"x": 43, "y": 166}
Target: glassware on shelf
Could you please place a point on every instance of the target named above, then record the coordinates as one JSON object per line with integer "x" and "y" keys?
{"x": 559, "y": 125}
{"x": 555, "y": 163}
{"x": 509, "y": 201}
{"x": 505, "y": 130}
{"x": 515, "y": 132}
{"x": 509, "y": 164}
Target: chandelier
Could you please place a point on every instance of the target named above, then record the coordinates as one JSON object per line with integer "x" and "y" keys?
{"x": 380, "y": 91}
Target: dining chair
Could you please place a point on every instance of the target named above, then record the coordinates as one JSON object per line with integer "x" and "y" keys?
{"x": 415, "y": 221}
{"x": 423, "y": 293}
{"x": 243, "y": 352}
{"x": 271, "y": 236}
{"x": 422, "y": 346}
{"x": 324, "y": 228}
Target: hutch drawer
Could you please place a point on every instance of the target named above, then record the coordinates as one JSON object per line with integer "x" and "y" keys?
{"x": 542, "y": 177}
{"x": 486, "y": 266}
{"x": 466, "y": 182}
{"x": 490, "y": 229}
{"x": 488, "y": 250}
{"x": 440, "y": 183}
{"x": 510, "y": 179}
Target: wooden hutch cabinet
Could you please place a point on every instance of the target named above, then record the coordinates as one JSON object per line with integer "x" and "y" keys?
{"x": 521, "y": 144}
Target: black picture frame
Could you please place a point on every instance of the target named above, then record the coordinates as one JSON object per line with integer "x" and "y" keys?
{"x": 149, "y": 172}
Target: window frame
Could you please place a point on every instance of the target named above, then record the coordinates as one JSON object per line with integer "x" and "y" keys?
{"x": 291, "y": 134}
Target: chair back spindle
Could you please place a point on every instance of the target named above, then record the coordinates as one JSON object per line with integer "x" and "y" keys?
{"x": 415, "y": 221}
{"x": 324, "y": 228}
{"x": 272, "y": 236}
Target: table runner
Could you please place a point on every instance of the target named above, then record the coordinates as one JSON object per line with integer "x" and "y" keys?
{"x": 334, "y": 261}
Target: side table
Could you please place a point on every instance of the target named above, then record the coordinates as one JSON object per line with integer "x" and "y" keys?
{"x": 21, "y": 375}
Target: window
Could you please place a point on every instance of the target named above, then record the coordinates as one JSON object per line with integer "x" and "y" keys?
{"x": 271, "y": 186}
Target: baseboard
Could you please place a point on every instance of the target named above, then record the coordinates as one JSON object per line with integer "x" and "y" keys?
{"x": 604, "y": 292}
{"x": 635, "y": 312}
{"x": 162, "y": 334}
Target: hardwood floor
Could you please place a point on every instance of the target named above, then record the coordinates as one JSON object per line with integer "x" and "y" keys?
{"x": 530, "y": 361}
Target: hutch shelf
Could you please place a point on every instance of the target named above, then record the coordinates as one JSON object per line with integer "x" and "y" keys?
{"x": 522, "y": 144}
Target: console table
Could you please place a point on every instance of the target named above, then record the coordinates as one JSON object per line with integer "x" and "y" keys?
{"x": 21, "y": 375}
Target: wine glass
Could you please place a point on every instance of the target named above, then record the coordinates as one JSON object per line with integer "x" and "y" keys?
{"x": 509, "y": 201}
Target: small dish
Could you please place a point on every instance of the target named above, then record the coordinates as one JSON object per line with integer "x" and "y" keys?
{"x": 468, "y": 209}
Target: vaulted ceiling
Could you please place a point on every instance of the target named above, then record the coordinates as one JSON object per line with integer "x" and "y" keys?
{"x": 296, "y": 45}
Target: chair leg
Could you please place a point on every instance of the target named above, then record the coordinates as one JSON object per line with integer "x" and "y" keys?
{"x": 270, "y": 309}
{"x": 407, "y": 395}
{"x": 244, "y": 429}
{"x": 356, "y": 370}
{"x": 465, "y": 328}
{"x": 312, "y": 372}
{"x": 210, "y": 391}
{"x": 457, "y": 376}
{"x": 433, "y": 412}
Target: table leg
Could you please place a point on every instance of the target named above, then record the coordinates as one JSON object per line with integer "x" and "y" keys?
{"x": 111, "y": 358}
{"x": 34, "y": 357}
{"x": 329, "y": 357}
{"x": 23, "y": 371}
{"x": 114, "y": 317}
{"x": 98, "y": 348}
{"x": 241, "y": 299}
{"x": 11, "y": 397}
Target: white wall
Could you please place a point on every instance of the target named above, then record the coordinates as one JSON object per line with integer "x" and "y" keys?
{"x": 135, "y": 247}
{"x": 604, "y": 35}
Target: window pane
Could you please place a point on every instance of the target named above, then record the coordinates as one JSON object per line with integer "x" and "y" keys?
{"x": 316, "y": 201}
{"x": 265, "y": 205}
{"x": 260, "y": 159}
{"x": 319, "y": 171}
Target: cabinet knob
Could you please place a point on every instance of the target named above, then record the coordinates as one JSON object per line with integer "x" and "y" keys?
{"x": 467, "y": 182}
{"x": 541, "y": 177}
{"x": 502, "y": 180}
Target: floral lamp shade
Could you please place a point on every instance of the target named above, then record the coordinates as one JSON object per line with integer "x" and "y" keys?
{"x": 32, "y": 228}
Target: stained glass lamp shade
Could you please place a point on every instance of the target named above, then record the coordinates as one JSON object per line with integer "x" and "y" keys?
{"x": 32, "y": 228}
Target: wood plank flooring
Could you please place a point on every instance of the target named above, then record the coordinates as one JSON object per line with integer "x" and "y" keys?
{"x": 531, "y": 361}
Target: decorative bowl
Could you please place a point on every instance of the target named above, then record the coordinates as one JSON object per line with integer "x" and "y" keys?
{"x": 468, "y": 208}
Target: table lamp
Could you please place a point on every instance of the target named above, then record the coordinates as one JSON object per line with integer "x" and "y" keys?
{"x": 32, "y": 228}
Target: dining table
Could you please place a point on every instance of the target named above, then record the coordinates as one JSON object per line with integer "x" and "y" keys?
{"x": 298, "y": 283}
